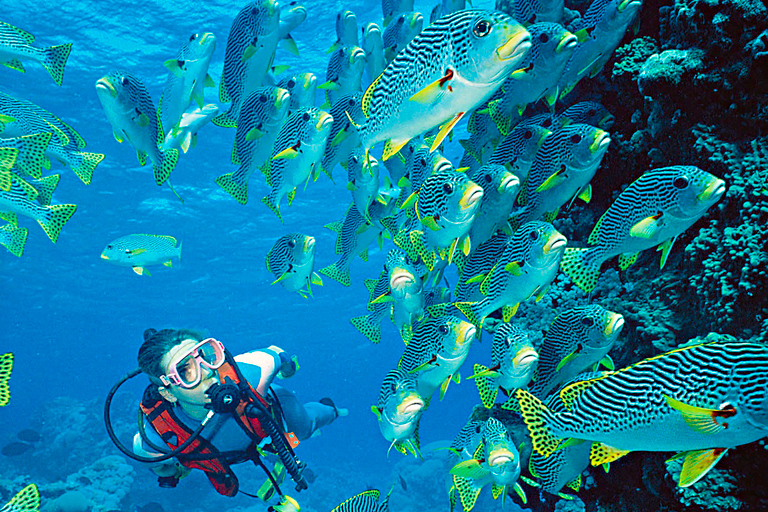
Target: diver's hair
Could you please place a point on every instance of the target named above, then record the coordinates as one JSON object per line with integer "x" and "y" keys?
{"x": 157, "y": 344}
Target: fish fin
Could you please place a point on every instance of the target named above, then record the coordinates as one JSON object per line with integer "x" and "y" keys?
{"x": 141, "y": 271}
{"x": 626, "y": 260}
{"x": 552, "y": 181}
{"x": 367, "y": 327}
{"x": 168, "y": 264}
{"x": 225, "y": 119}
{"x": 270, "y": 202}
{"x": 337, "y": 273}
{"x": 512, "y": 404}
{"x": 26, "y": 500}
{"x": 701, "y": 419}
{"x": 174, "y": 66}
{"x": 186, "y": 142}
{"x": 514, "y": 268}
{"x": 586, "y": 193}
{"x": 163, "y": 171}
{"x": 470, "y": 469}
{"x": 485, "y": 385}
{"x": 472, "y": 311}
{"x": 575, "y": 484}
{"x": 665, "y": 248}
{"x": 573, "y": 265}
{"x": 392, "y": 146}
{"x": 208, "y": 82}
{"x": 697, "y": 463}
{"x": 288, "y": 43}
{"x": 283, "y": 276}
{"x": 55, "y": 218}
{"x": 6, "y": 367}
{"x": 508, "y": 312}
{"x": 383, "y": 299}
{"x": 15, "y": 64}
{"x": 467, "y": 491}
{"x": 537, "y": 418}
{"x": 253, "y": 134}
{"x": 433, "y": 91}
{"x": 647, "y": 227}
{"x": 567, "y": 359}
{"x": 17, "y": 239}
{"x": 601, "y": 453}
{"x": 431, "y": 223}
{"x": 289, "y": 153}
{"x": 339, "y": 137}
{"x": 315, "y": 279}
{"x": 233, "y": 187}
{"x": 55, "y": 60}
{"x": 445, "y": 130}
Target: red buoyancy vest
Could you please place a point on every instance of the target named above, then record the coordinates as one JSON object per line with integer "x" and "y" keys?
{"x": 160, "y": 414}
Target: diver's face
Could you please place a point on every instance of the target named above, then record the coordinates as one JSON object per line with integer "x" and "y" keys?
{"x": 187, "y": 397}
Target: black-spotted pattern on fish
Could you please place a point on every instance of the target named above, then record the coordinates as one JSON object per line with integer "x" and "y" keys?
{"x": 14, "y": 239}
{"x": 16, "y": 46}
{"x": 291, "y": 259}
{"x": 578, "y": 338}
{"x": 533, "y": 11}
{"x": 301, "y": 88}
{"x": 344, "y": 73}
{"x": 420, "y": 164}
{"x": 517, "y": 151}
{"x": 343, "y": 138}
{"x": 20, "y": 199}
{"x": 482, "y": 259}
{"x": 366, "y": 501}
{"x": 699, "y": 399}
{"x": 467, "y": 439}
{"x": 399, "y": 409}
{"x": 562, "y": 468}
{"x": 6, "y": 366}
{"x": 400, "y": 32}
{"x": 30, "y": 157}
{"x": 652, "y": 211}
{"x": 370, "y": 325}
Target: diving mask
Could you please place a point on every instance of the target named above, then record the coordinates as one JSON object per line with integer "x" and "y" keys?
{"x": 186, "y": 368}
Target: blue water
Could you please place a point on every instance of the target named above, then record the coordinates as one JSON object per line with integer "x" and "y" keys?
{"x": 75, "y": 322}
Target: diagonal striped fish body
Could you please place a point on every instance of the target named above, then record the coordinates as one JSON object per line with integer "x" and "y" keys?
{"x": 20, "y": 199}
{"x": 533, "y": 11}
{"x": 400, "y": 32}
{"x": 563, "y": 467}
{"x": 500, "y": 188}
{"x": 517, "y": 151}
{"x": 65, "y": 143}
{"x": 577, "y": 339}
{"x": 399, "y": 406}
{"x": 301, "y": 88}
{"x": 346, "y": 29}
{"x": 291, "y": 260}
{"x": 480, "y": 261}
{"x": 251, "y": 46}
{"x": 366, "y": 501}
{"x": 187, "y": 79}
{"x": 437, "y": 350}
{"x": 587, "y": 112}
{"x": 363, "y": 179}
{"x": 451, "y": 67}
{"x": 468, "y": 439}
{"x": 343, "y": 138}
{"x": 141, "y": 250}
{"x": 563, "y": 168}
{"x": 605, "y": 23}
{"x": 45, "y": 187}
{"x": 292, "y": 14}
{"x": 131, "y": 112}
{"x": 303, "y": 137}
{"x": 513, "y": 353}
{"x": 344, "y": 73}
{"x": 391, "y": 8}
{"x": 16, "y": 46}
{"x": 710, "y": 395}
{"x": 405, "y": 280}
{"x": 446, "y": 7}
{"x": 421, "y": 164}
{"x": 654, "y": 209}
{"x": 484, "y": 136}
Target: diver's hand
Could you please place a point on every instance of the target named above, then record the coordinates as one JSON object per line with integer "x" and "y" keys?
{"x": 288, "y": 368}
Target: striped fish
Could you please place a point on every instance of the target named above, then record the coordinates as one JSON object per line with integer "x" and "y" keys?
{"x": 564, "y": 166}
{"x": 517, "y": 151}
{"x": 44, "y": 187}
{"x": 373, "y": 45}
{"x": 447, "y": 70}
{"x": 578, "y": 338}
{"x": 399, "y": 411}
{"x": 20, "y": 199}
{"x": 561, "y": 469}
{"x": 251, "y": 46}
{"x": 30, "y": 156}
{"x": 446, "y": 7}
{"x": 363, "y": 180}
{"x": 301, "y": 88}
{"x": 184, "y": 134}
{"x": 467, "y": 440}
{"x": 500, "y": 189}
{"x": 588, "y": 112}
{"x": 344, "y": 73}
{"x": 406, "y": 290}
{"x": 514, "y": 362}
{"x": 139, "y": 251}
{"x": 343, "y": 139}
{"x": 391, "y": 8}
{"x": 13, "y": 238}
{"x": 366, "y": 501}
{"x": 262, "y": 116}
{"x": 346, "y": 30}
{"x": 699, "y": 400}
{"x": 420, "y": 163}
{"x": 131, "y": 112}
{"x": 65, "y": 144}
{"x": 292, "y": 259}
{"x": 187, "y": 79}
{"x": 533, "y": 11}
{"x": 296, "y": 155}
{"x": 652, "y": 211}
{"x": 400, "y": 32}
{"x": 16, "y": 46}
{"x": 292, "y": 14}
{"x": 438, "y": 348}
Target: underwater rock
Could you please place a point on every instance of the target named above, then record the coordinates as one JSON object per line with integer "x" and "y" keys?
{"x": 70, "y": 501}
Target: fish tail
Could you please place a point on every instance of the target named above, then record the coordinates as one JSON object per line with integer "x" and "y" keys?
{"x": 338, "y": 273}
{"x": 32, "y": 154}
{"x": 18, "y": 238}
{"x": 472, "y": 311}
{"x": 225, "y": 119}
{"x": 485, "y": 387}
{"x": 272, "y": 204}
{"x": 468, "y": 491}
{"x": 501, "y": 119}
{"x": 55, "y": 61}
{"x": 233, "y": 187}
{"x": 46, "y": 187}
{"x": 58, "y": 215}
{"x": 369, "y": 329}
{"x": 163, "y": 171}
{"x": 583, "y": 276}
{"x": 6, "y": 365}
{"x": 85, "y": 168}
{"x": 538, "y": 420}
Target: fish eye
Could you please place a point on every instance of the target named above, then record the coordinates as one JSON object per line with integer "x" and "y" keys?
{"x": 477, "y": 429}
{"x": 576, "y": 138}
{"x": 192, "y": 37}
{"x": 263, "y": 98}
{"x": 353, "y": 158}
{"x": 125, "y": 81}
{"x": 528, "y": 134}
{"x": 423, "y": 162}
{"x": 291, "y": 243}
{"x": 482, "y": 28}
{"x": 591, "y": 112}
{"x": 443, "y": 329}
{"x": 401, "y": 20}
{"x": 306, "y": 116}
{"x": 680, "y": 182}
{"x": 255, "y": 11}
{"x": 350, "y": 102}
{"x": 260, "y": 125}
{"x": 109, "y": 246}
{"x": 127, "y": 251}
{"x": 291, "y": 84}
{"x": 255, "y": 40}
{"x": 588, "y": 321}
{"x": 533, "y": 235}
{"x": 543, "y": 37}
{"x": 487, "y": 178}
{"x": 448, "y": 188}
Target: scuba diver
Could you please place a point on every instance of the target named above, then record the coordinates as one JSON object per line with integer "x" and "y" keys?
{"x": 209, "y": 410}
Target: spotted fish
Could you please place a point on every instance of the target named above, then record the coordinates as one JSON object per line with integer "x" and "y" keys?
{"x": 262, "y": 116}
{"x": 652, "y": 211}
{"x": 500, "y": 189}
{"x": 346, "y": 30}
{"x": 406, "y": 290}
{"x": 578, "y": 338}
{"x": 30, "y": 154}
{"x": 588, "y": 112}
{"x": 343, "y": 138}
{"x": 370, "y": 325}
{"x": 139, "y": 251}
{"x": 363, "y": 180}
{"x": 699, "y": 400}
{"x": 6, "y": 367}
{"x": 391, "y": 8}
{"x": 45, "y": 187}
{"x": 366, "y": 501}
{"x": 26, "y": 500}
{"x": 16, "y": 46}
{"x": 399, "y": 411}
{"x": 344, "y": 73}
{"x": 13, "y": 238}
{"x": 418, "y": 91}
{"x": 20, "y": 199}
{"x": 296, "y": 156}
{"x": 131, "y": 112}
{"x": 291, "y": 259}
{"x": 184, "y": 134}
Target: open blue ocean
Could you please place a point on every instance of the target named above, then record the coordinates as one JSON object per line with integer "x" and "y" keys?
{"x": 74, "y": 322}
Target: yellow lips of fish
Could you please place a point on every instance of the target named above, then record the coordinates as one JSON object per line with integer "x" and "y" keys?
{"x": 466, "y": 333}
{"x": 525, "y": 357}
{"x": 283, "y": 96}
{"x": 325, "y": 118}
{"x": 554, "y": 243}
{"x": 615, "y": 324}
{"x": 104, "y": 256}
{"x": 715, "y": 188}
{"x": 601, "y": 139}
{"x": 106, "y": 83}
{"x": 309, "y": 243}
{"x": 508, "y": 182}
{"x": 411, "y": 404}
{"x": 568, "y": 41}
{"x": 472, "y": 195}
{"x": 500, "y": 456}
{"x": 516, "y": 45}
{"x": 401, "y": 278}
{"x": 205, "y": 37}
{"x": 625, "y": 3}
{"x": 415, "y": 20}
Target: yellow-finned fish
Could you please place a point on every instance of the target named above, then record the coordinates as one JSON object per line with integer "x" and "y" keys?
{"x": 6, "y": 366}
{"x": 292, "y": 259}
{"x": 399, "y": 411}
{"x": 21, "y": 199}
{"x": 140, "y": 251}
{"x": 16, "y": 46}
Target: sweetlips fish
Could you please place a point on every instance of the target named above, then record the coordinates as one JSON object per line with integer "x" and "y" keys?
{"x": 418, "y": 91}
{"x": 6, "y": 366}
{"x": 13, "y": 238}
{"x": 518, "y": 150}
{"x": 562, "y": 468}
{"x": 398, "y": 167}
{"x": 564, "y": 166}
{"x": 484, "y": 136}
{"x": 514, "y": 361}
{"x": 446, "y": 7}
{"x": 420, "y": 163}
{"x": 600, "y": 30}
{"x": 445, "y": 205}
{"x": 346, "y": 30}
{"x": 343, "y": 139}
{"x": 20, "y": 199}
{"x": 251, "y": 46}
{"x": 370, "y": 325}
{"x": 296, "y": 156}
{"x": 482, "y": 258}
{"x": 301, "y": 88}
{"x": 500, "y": 189}
{"x": 187, "y": 79}
{"x": 140, "y": 251}
{"x": 261, "y": 118}
{"x": 496, "y": 461}
{"x": 551, "y": 47}
{"x": 373, "y": 45}
{"x": 533, "y": 11}
{"x": 467, "y": 440}
{"x": 20, "y": 117}
{"x": 399, "y": 411}
{"x": 26, "y": 500}
{"x": 363, "y": 180}
{"x": 698, "y": 400}
{"x": 366, "y": 501}
{"x": 578, "y": 338}
{"x": 16, "y": 46}
{"x": 391, "y": 8}
{"x": 45, "y": 187}
{"x": 344, "y": 73}
{"x": 184, "y": 134}
{"x": 131, "y": 112}
{"x": 652, "y": 211}
{"x": 292, "y": 259}
{"x": 438, "y": 348}
{"x": 400, "y": 32}
{"x": 292, "y": 14}
{"x": 587, "y": 112}
{"x": 30, "y": 153}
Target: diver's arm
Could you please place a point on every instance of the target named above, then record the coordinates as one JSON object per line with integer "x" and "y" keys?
{"x": 264, "y": 365}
